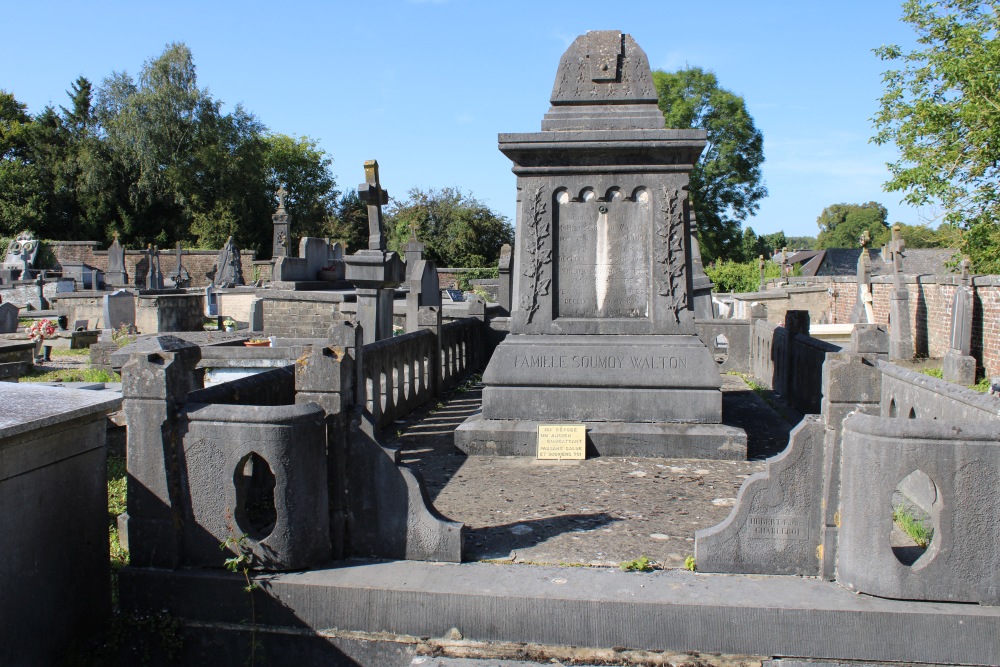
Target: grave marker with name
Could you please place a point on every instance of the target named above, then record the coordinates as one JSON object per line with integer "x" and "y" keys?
{"x": 602, "y": 323}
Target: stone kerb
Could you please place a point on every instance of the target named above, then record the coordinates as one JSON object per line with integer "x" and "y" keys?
{"x": 962, "y": 460}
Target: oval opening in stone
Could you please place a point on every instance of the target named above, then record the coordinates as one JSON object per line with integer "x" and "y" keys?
{"x": 720, "y": 349}
{"x": 255, "y": 510}
{"x": 915, "y": 503}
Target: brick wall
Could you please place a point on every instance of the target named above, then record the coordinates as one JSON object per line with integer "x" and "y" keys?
{"x": 197, "y": 262}
{"x": 299, "y": 319}
{"x": 930, "y": 304}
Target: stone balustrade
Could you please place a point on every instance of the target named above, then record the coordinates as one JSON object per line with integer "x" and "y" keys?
{"x": 399, "y": 375}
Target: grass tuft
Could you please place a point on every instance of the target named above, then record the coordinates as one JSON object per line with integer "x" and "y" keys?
{"x": 912, "y": 526}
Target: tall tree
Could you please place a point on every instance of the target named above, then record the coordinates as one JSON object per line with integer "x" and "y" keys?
{"x": 726, "y": 183}
{"x": 841, "y": 225}
{"x": 22, "y": 201}
{"x": 456, "y": 229}
{"x": 941, "y": 108}
{"x": 349, "y": 222}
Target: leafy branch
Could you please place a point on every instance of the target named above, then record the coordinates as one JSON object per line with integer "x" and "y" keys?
{"x": 538, "y": 255}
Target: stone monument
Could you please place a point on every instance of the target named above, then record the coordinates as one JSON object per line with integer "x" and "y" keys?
{"x": 900, "y": 335}
{"x": 863, "y": 312}
{"x": 116, "y": 275}
{"x": 154, "y": 277}
{"x": 282, "y": 226}
{"x": 228, "y": 266}
{"x": 959, "y": 366}
{"x": 602, "y": 323}
{"x": 374, "y": 272}
{"x": 21, "y": 255}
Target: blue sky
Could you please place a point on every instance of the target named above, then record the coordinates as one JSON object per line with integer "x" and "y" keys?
{"x": 425, "y": 86}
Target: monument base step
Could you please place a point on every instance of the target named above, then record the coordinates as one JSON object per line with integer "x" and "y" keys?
{"x": 499, "y": 437}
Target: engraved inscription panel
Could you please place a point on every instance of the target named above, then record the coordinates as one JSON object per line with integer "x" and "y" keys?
{"x": 603, "y": 254}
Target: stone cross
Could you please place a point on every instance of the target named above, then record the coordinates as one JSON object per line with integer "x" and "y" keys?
{"x": 371, "y": 193}
{"x": 895, "y": 248}
{"x": 761, "y": 264}
{"x": 964, "y": 264}
{"x": 282, "y": 193}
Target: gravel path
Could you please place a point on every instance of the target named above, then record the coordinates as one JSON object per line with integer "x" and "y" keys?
{"x": 601, "y": 511}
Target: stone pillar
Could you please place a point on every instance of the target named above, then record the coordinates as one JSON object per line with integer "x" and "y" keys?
{"x": 429, "y": 317}
{"x": 154, "y": 387}
{"x": 282, "y": 228}
{"x": 900, "y": 334}
{"x": 796, "y": 322}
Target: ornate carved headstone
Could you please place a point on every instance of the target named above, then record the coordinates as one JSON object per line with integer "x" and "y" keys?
{"x": 21, "y": 255}
{"x": 282, "y": 226}
{"x": 154, "y": 278}
{"x": 602, "y": 326}
{"x": 116, "y": 275}
{"x": 900, "y": 336}
{"x": 959, "y": 366}
{"x": 374, "y": 272}
{"x": 228, "y": 266}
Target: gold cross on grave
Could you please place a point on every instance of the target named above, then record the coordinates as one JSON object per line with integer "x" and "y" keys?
{"x": 371, "y": 193}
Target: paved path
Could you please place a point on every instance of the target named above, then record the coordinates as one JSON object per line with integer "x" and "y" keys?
{"x": 598, "y": 512}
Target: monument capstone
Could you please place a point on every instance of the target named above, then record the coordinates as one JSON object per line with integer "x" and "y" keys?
{"x": 602, "y": 321}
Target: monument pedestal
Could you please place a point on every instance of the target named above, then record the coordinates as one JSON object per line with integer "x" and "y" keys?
{"x": 637, "y": 396}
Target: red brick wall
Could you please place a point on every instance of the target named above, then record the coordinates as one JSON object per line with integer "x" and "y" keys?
{"x": 197, "y": 262}
{"x": 930, "y": 301}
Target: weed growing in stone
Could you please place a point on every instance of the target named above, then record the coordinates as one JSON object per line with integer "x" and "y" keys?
{"x": 640, "y": 564}
{"x": 912, "y": 526}
{"x": 689, "y": 563}
{"x": 240, "y": 562}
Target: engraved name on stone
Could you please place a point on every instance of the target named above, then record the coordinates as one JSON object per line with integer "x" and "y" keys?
{"x": 610, "y": 362}
{"x": 778, "y": 527}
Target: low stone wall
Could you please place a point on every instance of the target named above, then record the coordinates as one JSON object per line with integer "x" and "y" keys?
{"x": 735, "y": 357}
{"x": 21, "y": 294}
{"x": 907, "y": 394}
{"x": 81, "y": 306}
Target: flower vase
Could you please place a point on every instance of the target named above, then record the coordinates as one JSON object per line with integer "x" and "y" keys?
{"x": 46, "y": 353}
{"x": 38, "y": 349}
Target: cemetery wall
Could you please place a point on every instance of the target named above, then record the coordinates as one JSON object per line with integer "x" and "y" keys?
{"x": 199, "y": 263}
{"x": 236, "y": 304}
{"x": 448, "y": 277}
{"x": 88, "y": 307}
{"x": 930, "y": 304}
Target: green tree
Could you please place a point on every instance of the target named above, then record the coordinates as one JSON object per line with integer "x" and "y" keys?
{"x": 22, "y": 199}
{"x": 457, "y": 229}
{"x": 349, "y": 222}
{"x": 304, "y": 169}
{"x": 739, "y": 276}
{"x": 799, "y": 243}
{"x": 941, "y": 108}
{"x": 841, "y": 225}
{"x": 726, "y": 183}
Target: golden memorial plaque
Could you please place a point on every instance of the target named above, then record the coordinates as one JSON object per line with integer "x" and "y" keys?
{"x": 559, "y": 442}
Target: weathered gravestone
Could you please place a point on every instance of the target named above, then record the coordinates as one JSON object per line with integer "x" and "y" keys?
{"x": 211, "y": 301}
{"x": 154, "y": 277}
{"x": 959, "y": 366}
{"x": 602, "y": 328}
{"x": 424, "y": 291}
{"x": 257, "y": 315}
{"x": 180, "y": 276}
{"x": 900, "y": 336}
{"x": 118, "y": 310}
{"x": 228, "y": 266}
{"x": 374, "y": 272}
{"x": 8, "y": 318}
{"x": 116, "y": 275}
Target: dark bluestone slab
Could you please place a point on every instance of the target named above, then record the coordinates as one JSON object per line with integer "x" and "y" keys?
{"x": 602, "y": 314}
